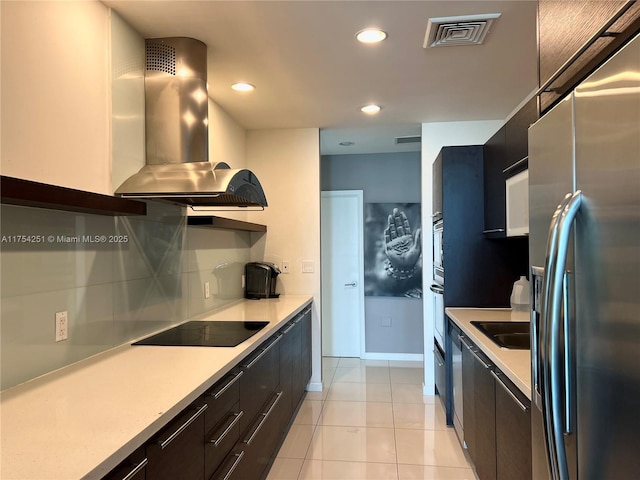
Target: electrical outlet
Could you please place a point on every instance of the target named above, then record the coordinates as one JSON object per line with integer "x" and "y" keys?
{"x": 62, "y": 326}
{"x": 207, "y": 290}
{"x": 285, "y": 267}
{"x": 307, "y": 266}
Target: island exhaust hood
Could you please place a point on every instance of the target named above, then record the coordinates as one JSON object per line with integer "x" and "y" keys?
{"x": 176, "y": 127}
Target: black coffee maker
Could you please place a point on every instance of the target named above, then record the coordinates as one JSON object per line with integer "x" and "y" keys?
{"x": 260, "y": 280}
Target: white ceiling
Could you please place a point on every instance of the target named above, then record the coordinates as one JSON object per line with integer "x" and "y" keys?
{"x": 311, "y": 72}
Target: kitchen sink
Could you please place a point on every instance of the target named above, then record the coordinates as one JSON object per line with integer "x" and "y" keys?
{"x": 511, "y": 335}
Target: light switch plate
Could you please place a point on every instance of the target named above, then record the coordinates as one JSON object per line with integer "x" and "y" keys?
{"x": 307, "y": 266}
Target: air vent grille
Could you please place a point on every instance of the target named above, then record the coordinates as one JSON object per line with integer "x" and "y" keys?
{"x": 161, "y": 57}
{"x": 409, "y": 139}
{"x": 456, "y": 31}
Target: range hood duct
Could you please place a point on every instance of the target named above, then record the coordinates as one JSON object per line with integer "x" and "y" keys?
{"x": 176, "y": 126}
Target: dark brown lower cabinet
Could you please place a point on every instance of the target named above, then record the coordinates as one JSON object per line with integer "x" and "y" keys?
{"x": 497, "y": 419}
{"x": 261, "y": 376}
{"x": 302, "y": 369}
{"x": 468, "y": 397}
{"x": 255, "y": 452}
{"x": 486, "y": 413}
{"x": 177, "y": 452}
{"x": 479, "y": 410}
{"x": 513, "y": 431}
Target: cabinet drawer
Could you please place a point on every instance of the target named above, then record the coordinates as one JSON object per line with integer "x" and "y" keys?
{"x": 220, "y": 440}
{"x": 440, "y": 374}
{"x": 178, "y": 450}
{"x": 260, "y": 378}
{"x": 256, "y": 448}
{"x": 221, "y": 398}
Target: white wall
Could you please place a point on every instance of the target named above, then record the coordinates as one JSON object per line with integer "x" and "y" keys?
{"x": 55, "y": 93}
{"x": 287, "y": 162}
{"x": 434, "y": 137}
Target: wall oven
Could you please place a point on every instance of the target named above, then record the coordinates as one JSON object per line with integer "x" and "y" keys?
{"x": 438, "y": 253}
{"x": 438, "y": 314}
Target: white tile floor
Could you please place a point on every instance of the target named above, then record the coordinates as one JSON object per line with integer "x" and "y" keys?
{"x": 371, "y": 422}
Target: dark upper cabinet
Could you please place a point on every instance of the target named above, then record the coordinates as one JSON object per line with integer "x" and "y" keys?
{"x": 517, "y": 135}
{"x": 565, "y": 27}
{"x": 494, "y": 192}
{"x": 436, "y": 199}
{"x": 505, "y": 151}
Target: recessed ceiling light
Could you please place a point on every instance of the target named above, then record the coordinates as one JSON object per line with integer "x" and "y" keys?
{"x": 243, "y": 87}
{"x": 370, "y": 109}
{"x": 371, "y": 35}
{"x": 346, "y": 144}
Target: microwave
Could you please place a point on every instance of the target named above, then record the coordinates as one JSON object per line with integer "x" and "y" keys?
{"x": 517, "y": 208}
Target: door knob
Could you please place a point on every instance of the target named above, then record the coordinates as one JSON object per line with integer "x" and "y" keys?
{"x": 352, "y": 284}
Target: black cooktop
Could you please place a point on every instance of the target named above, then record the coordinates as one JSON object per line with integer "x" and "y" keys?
{"x": 205, "y": 334}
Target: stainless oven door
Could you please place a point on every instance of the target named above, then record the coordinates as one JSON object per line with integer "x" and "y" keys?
{"x": 438, "y": 314}
{"x": 438, "y": 253}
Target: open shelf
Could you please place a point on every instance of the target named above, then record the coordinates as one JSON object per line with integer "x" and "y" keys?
{"x": 225, "y": 223}
{"x": 17, "y": 191}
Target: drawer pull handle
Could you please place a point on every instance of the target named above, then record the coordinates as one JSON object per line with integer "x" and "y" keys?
{"x": 173, "y": 436}
{"x": 494, "y": 230}
{"x": 234, "y": 465}
{"x": 265, "y": 415}
{"x": 437, "y": 357}
{"x": 264, "y": 351}
{"x": 288, "y": 329}
{"x": 522, "y": 406}
{"x": 235, "y": 378}
{"x": 236, "y": 418}
{"x": 136, "y": 469}
{"x": 484, "y": 364}
{"x": 463, "y": 340}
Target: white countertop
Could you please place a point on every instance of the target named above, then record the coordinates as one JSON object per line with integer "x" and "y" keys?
{"x": 83, "y": 420}
{"x": 515, "y": 364}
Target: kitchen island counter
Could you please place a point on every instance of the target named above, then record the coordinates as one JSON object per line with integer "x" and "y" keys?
{"x": 515, "y": 364}
{"x": 83, "y": 420}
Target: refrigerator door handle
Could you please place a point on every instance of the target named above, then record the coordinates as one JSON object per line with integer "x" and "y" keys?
{"x": 568, "y": 296}
{"x": 544, "y": 348}
{"x": 555, "y": 325}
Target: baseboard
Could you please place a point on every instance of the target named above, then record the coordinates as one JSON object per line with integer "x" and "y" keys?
{"x": 412, "y": 357}
{"x": 314, "y": 387}
{"x": 429, "y": 390}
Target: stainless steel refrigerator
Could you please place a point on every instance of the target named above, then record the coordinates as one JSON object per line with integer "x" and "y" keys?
{"x": 584, "y": 250}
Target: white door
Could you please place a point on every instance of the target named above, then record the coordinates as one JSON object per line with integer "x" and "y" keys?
{"x": 341, "y": 226}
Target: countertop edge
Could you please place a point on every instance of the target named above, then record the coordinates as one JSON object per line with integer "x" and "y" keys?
{"x": 515, "y": 364}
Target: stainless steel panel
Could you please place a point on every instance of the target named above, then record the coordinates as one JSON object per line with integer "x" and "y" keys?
{"x": 607, "y": 287}
{"x": 551, "y": 166}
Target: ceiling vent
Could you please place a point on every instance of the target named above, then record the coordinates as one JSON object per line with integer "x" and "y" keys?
{"x": 409, "y": 139}
{"x": 455, "y": 31}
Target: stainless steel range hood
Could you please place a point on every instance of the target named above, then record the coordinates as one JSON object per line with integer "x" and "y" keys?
{"x": 176, "y": 105}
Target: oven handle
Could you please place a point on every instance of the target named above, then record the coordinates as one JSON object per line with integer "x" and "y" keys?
{"x": 435, "y": 288}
